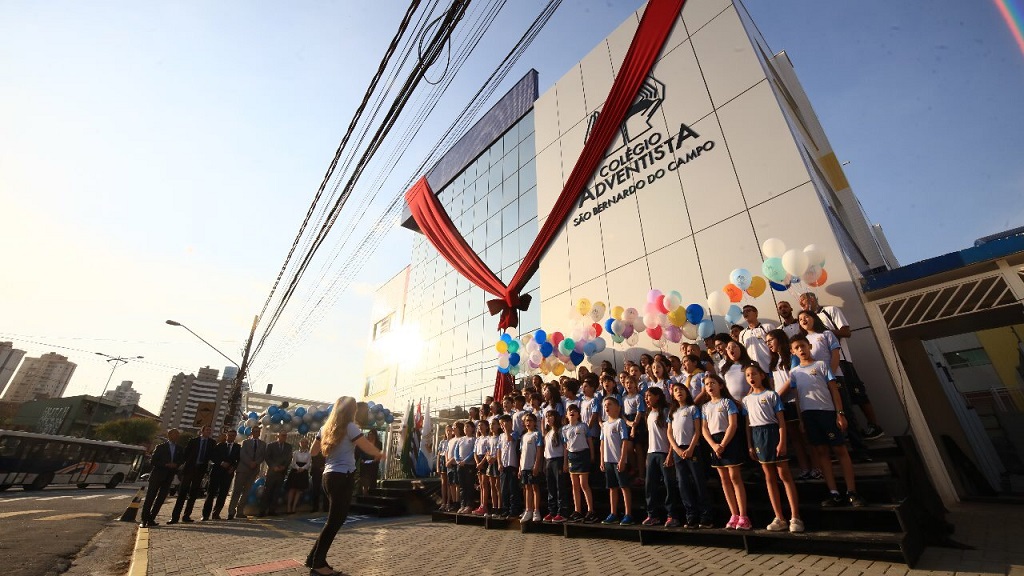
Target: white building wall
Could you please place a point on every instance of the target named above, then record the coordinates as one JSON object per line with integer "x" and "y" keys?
{"x": 689, "y": 228}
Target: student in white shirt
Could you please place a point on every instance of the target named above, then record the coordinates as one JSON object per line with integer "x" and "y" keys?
{"x": 615, "y": 446}
{"x": 684, "y": 438}
{"x": 530, "y": 468}
{"x": 753, "y": 337}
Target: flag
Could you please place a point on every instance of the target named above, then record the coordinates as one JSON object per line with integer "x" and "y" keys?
{"x": 428, "y": 460}
{"x": 410, "y": 445}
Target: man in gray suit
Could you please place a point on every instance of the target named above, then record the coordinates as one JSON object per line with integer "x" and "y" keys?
{"x": 250, "y": 458}
{"x": 279, "y": 457}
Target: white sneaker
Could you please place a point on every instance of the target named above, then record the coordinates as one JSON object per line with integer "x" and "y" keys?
{"x": 526, "y": 516}
{"x": 777, "y": 525}
{"x": 796, "y": 525}
{"x": 537, "y": 516}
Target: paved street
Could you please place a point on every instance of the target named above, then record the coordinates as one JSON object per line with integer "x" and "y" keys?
{"x": 42, "y": 530}
{"x": 415, "y": 545}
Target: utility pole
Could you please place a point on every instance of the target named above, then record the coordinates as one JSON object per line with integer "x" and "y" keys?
{"x": 235, "y": 400}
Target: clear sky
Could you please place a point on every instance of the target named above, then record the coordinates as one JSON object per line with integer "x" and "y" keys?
{"x": 157, "y": 158}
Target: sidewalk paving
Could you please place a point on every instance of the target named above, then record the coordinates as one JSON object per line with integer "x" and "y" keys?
{"x": 415, "y": 545}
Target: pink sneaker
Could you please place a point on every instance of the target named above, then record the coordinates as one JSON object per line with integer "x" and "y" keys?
{"x": 733, "y": 522}
{"x": 480, "y": 511}
{"x": 744, "y": 524}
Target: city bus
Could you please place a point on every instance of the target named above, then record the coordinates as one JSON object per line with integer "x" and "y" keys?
{"x": 35, "y": 461}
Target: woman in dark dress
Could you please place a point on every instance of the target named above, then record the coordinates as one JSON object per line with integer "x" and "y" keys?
{"x": 369, "y": 469}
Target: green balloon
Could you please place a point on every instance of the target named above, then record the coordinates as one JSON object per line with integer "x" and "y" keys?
{"x": 513, "y": 346}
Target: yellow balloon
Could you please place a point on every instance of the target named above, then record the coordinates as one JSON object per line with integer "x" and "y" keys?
{"x": 757, "y": 286}
{"x": 617, "y": 312}
{"x": 501, "y": 347}
{"x": 583, "y": 306}
{"x": 559, "y": 369}
{"x": 678, "y": 316}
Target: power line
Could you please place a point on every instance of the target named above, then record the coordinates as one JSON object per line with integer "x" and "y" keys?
{"x": 372, "y": 240}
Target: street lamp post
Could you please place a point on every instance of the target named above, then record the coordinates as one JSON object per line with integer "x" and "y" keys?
{"x": 115, "y": 362}
{"x": 235, "y": 398}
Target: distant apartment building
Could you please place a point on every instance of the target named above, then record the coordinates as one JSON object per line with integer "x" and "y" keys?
{"x": 124, "y": 394}
{"x": 194, "y": 400}
{"x": 40, "y": 378}
{"x": 10, "y": 357}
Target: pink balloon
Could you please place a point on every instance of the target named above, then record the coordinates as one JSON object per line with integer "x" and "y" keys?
{"x": 653, "y": 295}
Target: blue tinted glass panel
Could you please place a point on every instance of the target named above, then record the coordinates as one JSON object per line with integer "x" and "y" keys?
{"x": 528, "y": 206}
{"x": 526, "y": 151}
{"x": 494, "y": 234}
{"x": 509, "y": 190}
{"x": 528, "y": 175}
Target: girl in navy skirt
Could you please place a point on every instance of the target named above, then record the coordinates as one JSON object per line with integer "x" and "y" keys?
{"x": 766, "y": 436}
{"x": 721, "y": 432}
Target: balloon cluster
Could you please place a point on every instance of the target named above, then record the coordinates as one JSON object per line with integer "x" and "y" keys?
{"x": 783, "y": 267}
{"x": 664, "y": 319}
{"x": 549, "y": 353}
{"x": 303, "y": 419}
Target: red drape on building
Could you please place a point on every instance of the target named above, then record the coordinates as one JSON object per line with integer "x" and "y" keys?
{"x": 657, "y": 22}
{"x": 503, "y": 384}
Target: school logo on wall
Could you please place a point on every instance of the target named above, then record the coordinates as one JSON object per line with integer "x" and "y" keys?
{"x": 638, "y": 117}
{"x": 643, "y": 156}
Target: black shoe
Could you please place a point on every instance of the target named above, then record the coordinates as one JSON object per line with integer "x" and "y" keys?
{"x": 691, "y": 523}
{"x": 230, "y": 517}
{"x": 215, "y": 517}
{"x": 833, "y": 501}
{"x": 172, "y": 521}
{"x": 333, "y": 572}
{"x": 204, "y": 519}
{"x": 855, "y": 500}
{"x": 591, "y": 518}
{"x": 143, "y": 524}
{"x": 187, "y": 520}
{"x": 873, "y": 432}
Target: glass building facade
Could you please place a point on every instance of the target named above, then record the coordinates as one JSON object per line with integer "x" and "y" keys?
{"x": 493, "y": 202}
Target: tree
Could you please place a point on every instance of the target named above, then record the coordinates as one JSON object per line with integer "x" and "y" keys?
{"x": 139, "y": 431}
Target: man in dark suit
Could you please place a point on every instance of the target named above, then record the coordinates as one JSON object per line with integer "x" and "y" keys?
{"x": 224, "y": 461}
{"x": 197, "y": 455}
{"x": 166, "y": 459}
{"x": 279, "y": 457}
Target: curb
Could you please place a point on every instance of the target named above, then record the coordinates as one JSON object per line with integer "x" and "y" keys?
{"x": 140, "y": 556}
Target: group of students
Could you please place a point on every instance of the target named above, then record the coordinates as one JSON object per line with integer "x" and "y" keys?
{"x": 656, "y": 425}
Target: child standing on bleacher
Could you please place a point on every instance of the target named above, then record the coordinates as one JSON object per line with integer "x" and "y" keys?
{"x": 823, "y": 419}
{"x": 660, "y": 494}
{"x": 530, "y": 469}
{"x": 766, "y": 437}
{"x": 464, "y": 457}
{"x": 684, "y": 438}
{"x": 579, "y": 452}
{"x": 508, "y": 462}
{"x": 481, "y": 450}
{"x": 615, "y": 446}
{"x": 721, "y": 431}
{"x": 442, "y": 467}
{"x": 555, "y": 473}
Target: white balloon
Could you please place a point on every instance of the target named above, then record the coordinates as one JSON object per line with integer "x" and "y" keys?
{"x": 690, "y": 331}
{"x": 773, "y": 248}
{"x": 663, "y": 320}
{"x": 795, "y": 262}
{"x": 718, "y": 302}
{"x": 307, "y": 417}
{"x": 815, "y": 256}
{"x": 600, "y": 344}
{"x": 638, "y": 324}
{"x": 633, "y": 339}
{"x": 650, "y": 320}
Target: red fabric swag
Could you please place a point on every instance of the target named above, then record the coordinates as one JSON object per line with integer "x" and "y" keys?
{"x": 655, "y": 26}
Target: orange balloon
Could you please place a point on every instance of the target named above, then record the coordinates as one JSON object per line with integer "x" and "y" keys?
{"x": 733, "y": 292}
{"x": 757, "y": 286}
{"x": 821, "y": 279}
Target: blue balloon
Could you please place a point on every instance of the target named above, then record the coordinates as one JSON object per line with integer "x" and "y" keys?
{"x": 287, "y": 417}
{"x": 371, "y": 404}
{"x": 506, "y": 338}
{"x": 253, "y": 415}
{"x": 513, "y": 359}
{"x": 300, "y": 412}
{"x": 247, "y": 431}
{"x": 389, "y": 418}
{"x": 576, "y": 357}
{"x": 502, "y": 370}
{"x": 241, "y": 430}
{"x": 590, "y": 349}
{"x": 694, "y": 313}
{"x": 387, "y": 413}
{"x": 303, "y": 428}
{"x": 608, "y": 325}
{"x": 273, "y": 410}
{"x": 540, "y": 337}
{"x": 546, "y": 349}
{"x": 734, "y": 314}
{"x": 778, "y": 287}
{"x": 706, "y": 328}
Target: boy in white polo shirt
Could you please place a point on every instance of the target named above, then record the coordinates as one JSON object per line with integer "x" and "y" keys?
{"x": 615, "y": 447}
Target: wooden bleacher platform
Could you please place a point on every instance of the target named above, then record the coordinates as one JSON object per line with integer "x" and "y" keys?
{"x": 903, "y": 514}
